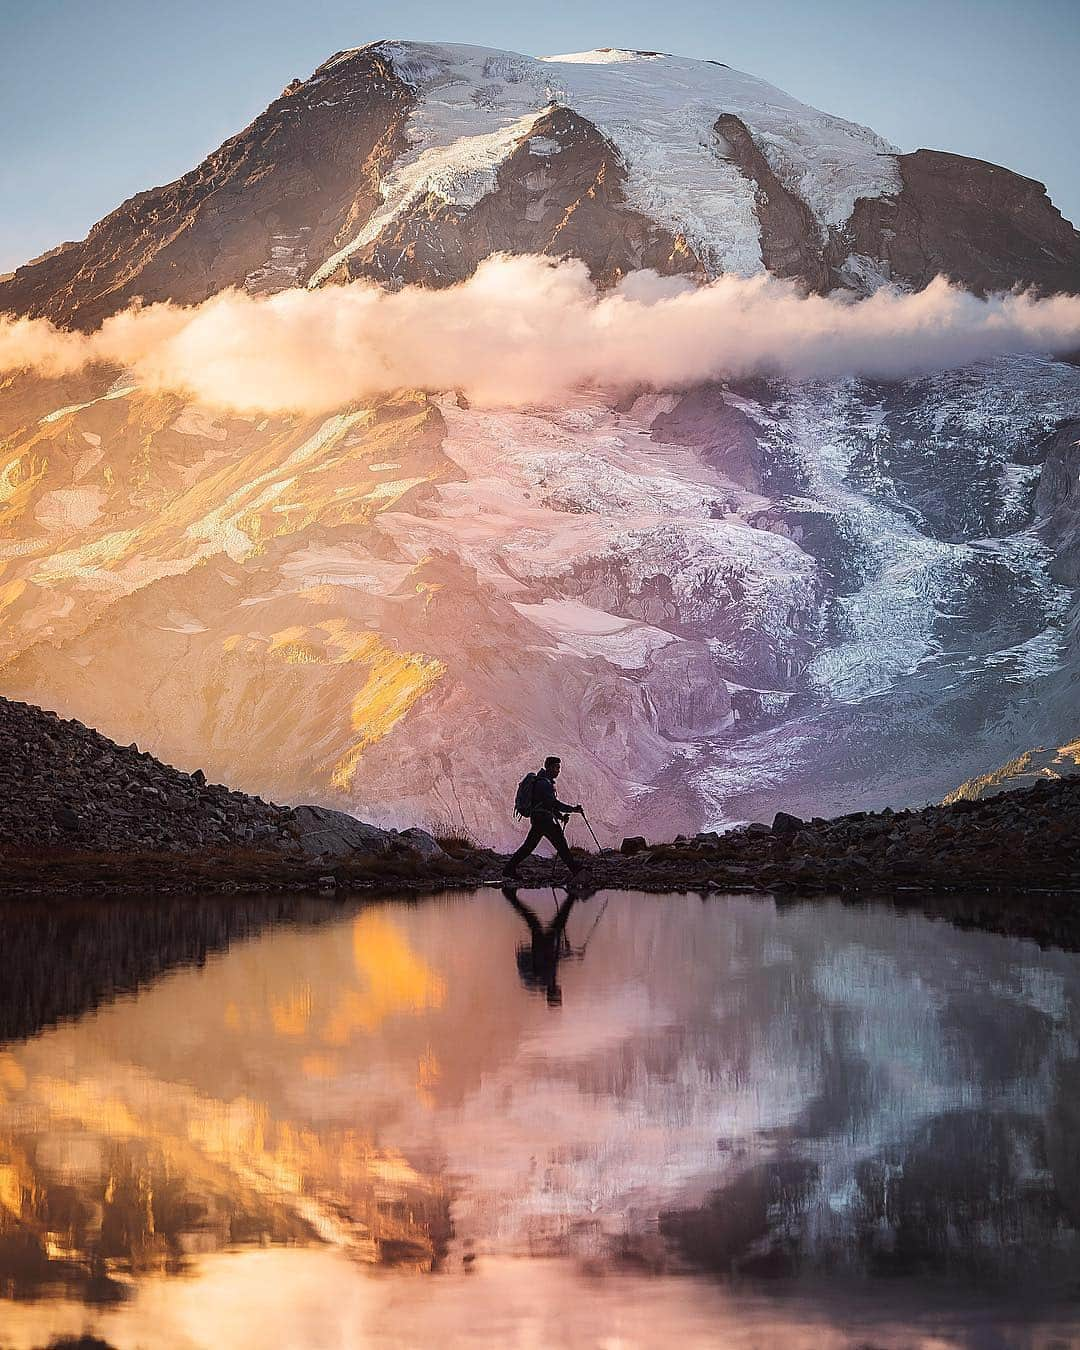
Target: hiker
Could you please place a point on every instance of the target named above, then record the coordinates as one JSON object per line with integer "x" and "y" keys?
{"x": 537, "y": 799}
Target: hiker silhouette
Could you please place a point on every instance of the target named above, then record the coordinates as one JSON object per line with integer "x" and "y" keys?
{"x": 538, "y": 800}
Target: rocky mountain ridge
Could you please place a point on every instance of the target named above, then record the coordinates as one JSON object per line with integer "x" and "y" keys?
{"x": 65, "y": 788}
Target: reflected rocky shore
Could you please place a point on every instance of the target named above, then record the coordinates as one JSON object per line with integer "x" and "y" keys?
{"x": 62, "y": 960}
{"x": 797, "y": 1105}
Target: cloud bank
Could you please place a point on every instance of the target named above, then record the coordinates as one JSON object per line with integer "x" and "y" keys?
{"x": 528, "y": 330}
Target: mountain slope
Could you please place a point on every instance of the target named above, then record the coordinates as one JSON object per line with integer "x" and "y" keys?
{"x": 714, "y": 603}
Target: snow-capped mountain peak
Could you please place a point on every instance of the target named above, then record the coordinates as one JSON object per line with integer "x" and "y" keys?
{"x": 474, "y": 106}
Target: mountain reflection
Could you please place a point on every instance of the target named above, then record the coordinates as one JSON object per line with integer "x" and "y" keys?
{"x": 720, "y": 1087}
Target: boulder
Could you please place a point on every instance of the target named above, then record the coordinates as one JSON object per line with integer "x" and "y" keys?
{"x": 320, "y": 833}
{"x": 635, "y": 844}
{"x": 783, "y": 823}
{"x": 422, "y": 843}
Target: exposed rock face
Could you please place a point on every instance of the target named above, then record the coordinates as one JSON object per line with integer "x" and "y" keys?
{"x": 560, "y": 191}
{"x": 721, "y": 432}
{"x": 320, "y": 832}
{"x": 1058, "y": 501}
{"x": 791, "y": 241}
{"x": 984, "y": 226}
{"x": 259, "y": 212}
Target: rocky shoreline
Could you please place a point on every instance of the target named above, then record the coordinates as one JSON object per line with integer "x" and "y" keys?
{"x": 80, "y": 814}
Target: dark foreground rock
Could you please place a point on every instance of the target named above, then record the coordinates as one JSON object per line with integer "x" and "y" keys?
{"x": 1025, "y": 840}
{"x": 67, "y": 790}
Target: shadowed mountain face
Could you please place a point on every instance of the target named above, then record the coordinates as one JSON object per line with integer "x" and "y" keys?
{"x": 713, "y": 603}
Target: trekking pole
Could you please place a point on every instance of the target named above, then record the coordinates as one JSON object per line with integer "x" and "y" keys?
{"x": 592, "y": 930}
{"x": 554, "y": 869}
{"x": 596, "y": 841}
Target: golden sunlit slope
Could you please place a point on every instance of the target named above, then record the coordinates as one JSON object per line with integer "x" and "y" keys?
{"x": 271, "y": 599}
{"x": 168, "y": 521}
{"x": 1055, "y": 762}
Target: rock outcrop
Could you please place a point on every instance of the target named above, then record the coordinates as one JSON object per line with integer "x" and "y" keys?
{"x": 259, "y": 213}
{"x": 561, "y": 192}
{"x": 792, "y": 244}
{"x": 66, "y": 789}
{"x": 981, "y": 225}
{"x": 1058, "y": 501}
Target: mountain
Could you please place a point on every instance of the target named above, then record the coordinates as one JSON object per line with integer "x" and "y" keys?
{"x": 408, "y": 162}
{"x": 713, "y": 602}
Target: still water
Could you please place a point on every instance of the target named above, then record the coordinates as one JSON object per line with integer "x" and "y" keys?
{"x": 634, "y": 1121}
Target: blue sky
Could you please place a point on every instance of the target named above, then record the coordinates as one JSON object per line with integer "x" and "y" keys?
{"x": 103, "y": 98}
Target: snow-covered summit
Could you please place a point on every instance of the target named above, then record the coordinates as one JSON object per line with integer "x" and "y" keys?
{"x": 409, "y": 163}
{"x": 475, "y": 104}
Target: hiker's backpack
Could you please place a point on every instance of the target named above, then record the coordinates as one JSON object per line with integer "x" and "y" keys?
{"x": 523, "y": 800}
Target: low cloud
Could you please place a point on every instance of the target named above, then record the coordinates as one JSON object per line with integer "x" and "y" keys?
{"x": 527, "y": 330}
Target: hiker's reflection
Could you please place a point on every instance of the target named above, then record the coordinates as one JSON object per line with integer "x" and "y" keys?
{"x": 538, "y": 959}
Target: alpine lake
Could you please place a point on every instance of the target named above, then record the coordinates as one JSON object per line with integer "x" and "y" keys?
{"x": 621, "y": 1121}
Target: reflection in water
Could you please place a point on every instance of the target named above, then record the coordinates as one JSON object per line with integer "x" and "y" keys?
{"x": 62, "y": 960}
{"x": 743, "y": 1119}
{"x": 538, "y": 959}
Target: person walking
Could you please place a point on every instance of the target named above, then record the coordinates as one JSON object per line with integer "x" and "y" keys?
{"x": 546, "y": 815}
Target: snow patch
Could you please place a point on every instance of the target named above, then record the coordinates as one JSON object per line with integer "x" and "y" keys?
{"x": 865, "y": 274}
{"x": 70, "y": 509}
{"x": 288, "y": 258}
{"x": 584, "y": 631}
{"x": 121, "y": 392}
{"x": 196, "y": 421}
{"x": 544, "y": 146}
